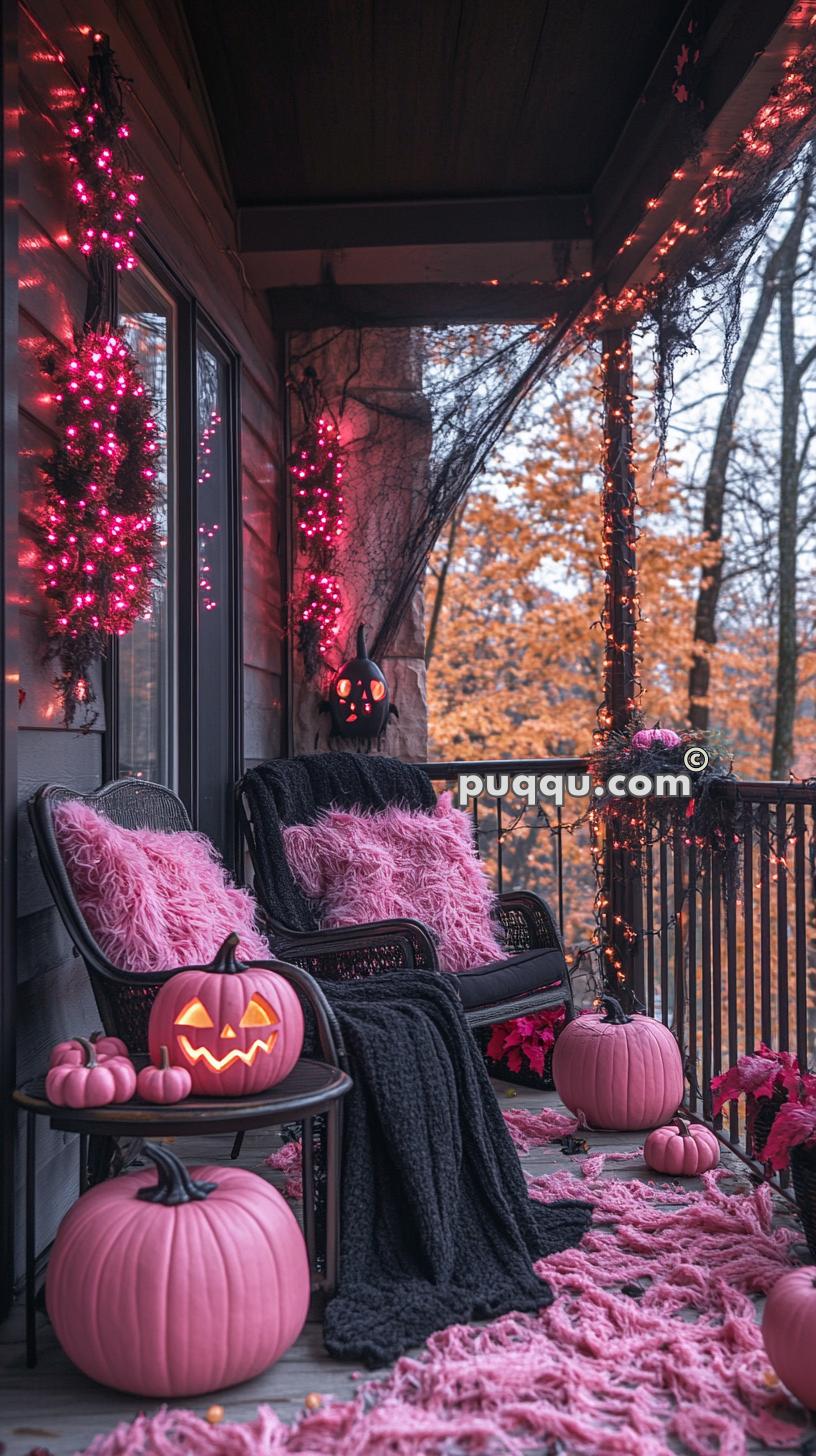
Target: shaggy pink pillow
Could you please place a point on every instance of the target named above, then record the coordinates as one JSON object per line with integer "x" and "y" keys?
{"x": 152, "y": 901}
{"x": 378, "y": 866}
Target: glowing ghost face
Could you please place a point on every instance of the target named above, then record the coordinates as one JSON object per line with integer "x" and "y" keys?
{"x": 236, "y": 1033}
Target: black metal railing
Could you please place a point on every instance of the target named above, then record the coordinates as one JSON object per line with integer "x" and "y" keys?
{"x": 725, "y": 949}
{"x": 531, "y": 846}
{"x": 721, "y": 946}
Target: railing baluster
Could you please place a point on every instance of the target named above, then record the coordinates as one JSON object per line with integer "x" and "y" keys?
{"x": 664, "y": 926}
{"x": 499, "y": 849}
{"x": 731, "y": 977}
{"x": 748, "y": 921}
{"x": 679, "y": 977}
{"x": 650, "y": 956}
{"x": 692, "y": 975}
{"x": 559, "y": 866}
{"x": 705, "y": 915}
{"x": 800, "y": 911}
{"x": 783, "y": 1019}
{"x": 766, "y": 1032}
{"x": 716, "y": 972}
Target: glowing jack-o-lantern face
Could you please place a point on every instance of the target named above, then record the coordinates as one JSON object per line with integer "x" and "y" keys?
{"x": 237, "y": 1029}
{"x": 358, "y": 699}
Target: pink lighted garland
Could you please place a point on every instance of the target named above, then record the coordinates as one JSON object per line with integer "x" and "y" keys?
{"x": 96, "y": 530}
{"x": 105, "y": 195}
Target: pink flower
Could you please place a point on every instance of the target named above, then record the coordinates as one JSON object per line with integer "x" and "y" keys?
{"x": 761, "y": 1075}
{"x": 525, "y": 1038}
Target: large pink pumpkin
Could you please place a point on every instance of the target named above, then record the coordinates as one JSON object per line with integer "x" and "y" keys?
{"x": 179, "y": 1287}
{"x": 622, "y": 1072}
{"x": 238, "y": 1029}
{"x": 789, "y": 1332}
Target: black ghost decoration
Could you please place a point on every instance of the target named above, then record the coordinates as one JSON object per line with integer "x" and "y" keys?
{"x": 359, "y": 701}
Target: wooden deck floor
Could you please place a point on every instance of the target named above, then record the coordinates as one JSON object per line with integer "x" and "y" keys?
{"x": 56, "y": 1407}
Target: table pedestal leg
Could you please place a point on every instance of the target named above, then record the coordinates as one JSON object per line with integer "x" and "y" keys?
{"x": 31, "y": 1239}
{"x": 83, "y": 1163}
{"x": 333, "y": 1134}
{"x": 307, "y": 1144}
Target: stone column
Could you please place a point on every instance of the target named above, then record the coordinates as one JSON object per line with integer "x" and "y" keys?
{"x": 372, "y": 380}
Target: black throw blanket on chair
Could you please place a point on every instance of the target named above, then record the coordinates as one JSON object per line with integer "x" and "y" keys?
{"x": 297, "y": 790}
{"x": 437, "y": 1227}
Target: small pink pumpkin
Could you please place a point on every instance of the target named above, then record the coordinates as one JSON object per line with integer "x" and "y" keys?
{"x": 94, "y": 1084}
{"x": 618, "y": 1071}
{"x": 112, "y": 1046}
{"x": 72, "y": 1053}
{"x": 789, "y": 1332}
{"x": 181, "y": 1286}
{"x": 682, "y": 1149}
{"x": 648, "y": 737}
{"x": 164, "y": 1083}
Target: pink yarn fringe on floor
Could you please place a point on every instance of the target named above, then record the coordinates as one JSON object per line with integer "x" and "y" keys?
{"x": 603, "y": 1372}
{"x": 289, "y": 1160}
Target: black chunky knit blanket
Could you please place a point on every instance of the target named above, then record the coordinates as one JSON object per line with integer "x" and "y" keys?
{"x": 296, "y": 790}
{"x": 437, "y": 1226}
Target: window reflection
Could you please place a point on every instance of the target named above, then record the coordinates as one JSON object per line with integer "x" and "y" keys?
{"x": 145, "y": 657}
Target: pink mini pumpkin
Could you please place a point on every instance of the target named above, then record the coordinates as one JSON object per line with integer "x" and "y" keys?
{"x": 649, "y": 737}
{"x": 789, "y": 1332}
{"x": 72, "y": 1053}
{"x": 164, "y": 1083}
{"x": 112, "y": 1046}
{"x": 178, "y": 1287}
{"x": 94, "y": 1084}
{"x": 238, "y": 1029}
{"x": 682, "y": 1149}
{"x": 618, "y": 1071}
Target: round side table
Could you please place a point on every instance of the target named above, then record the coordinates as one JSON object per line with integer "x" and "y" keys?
{"x": 311, "y": 1089}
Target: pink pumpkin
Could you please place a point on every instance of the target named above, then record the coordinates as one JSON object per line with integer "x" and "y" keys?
{"x": 618, "y": 1071}
{"x": 789, "y": 1332}
{"x": 94, "y": 1084}
{"x": 648, "y": 737}
{"x": 238, "y": 1029}
{"x": 164, "y": 1083}
{"x": 178, "y": 1287}
{"x": 72, "y": 1053}
{"x": 112, "y": 1046}
{"x": 682, "y": 1149}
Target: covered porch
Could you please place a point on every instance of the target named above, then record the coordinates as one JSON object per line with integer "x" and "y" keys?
{"x": 337, "y": 205}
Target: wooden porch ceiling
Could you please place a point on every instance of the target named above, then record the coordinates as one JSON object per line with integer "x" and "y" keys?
{"x": 402, "y": 162}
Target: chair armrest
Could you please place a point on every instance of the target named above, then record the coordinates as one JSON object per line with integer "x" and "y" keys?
{"x": 355, "y": 951}
{"x": 329, "y": 1035}
{"x": 528, "y": 922}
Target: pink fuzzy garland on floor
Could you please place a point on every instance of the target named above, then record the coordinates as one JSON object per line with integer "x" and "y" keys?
{"x": 604, "y": 1373}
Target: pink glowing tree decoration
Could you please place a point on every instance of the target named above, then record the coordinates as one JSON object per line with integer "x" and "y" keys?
{"x": 105, "y": 188}
{"x": 97, "y": 532}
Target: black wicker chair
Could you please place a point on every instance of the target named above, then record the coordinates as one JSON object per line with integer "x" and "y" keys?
{"x": 534, "y": 975}
{"x": 124, "y": 999}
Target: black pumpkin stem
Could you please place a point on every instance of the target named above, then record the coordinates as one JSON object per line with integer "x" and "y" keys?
{"x": 225, "y": 960}
{"x": 683, "y": 1127}
{"x": 174, "y": 1185}
{"x": 91, "y": 1059}
{"x": 362, "y": 650}
{"x": 615, "y": 1014}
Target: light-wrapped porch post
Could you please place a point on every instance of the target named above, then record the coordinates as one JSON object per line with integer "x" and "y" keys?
{"x": 620, "y": 625}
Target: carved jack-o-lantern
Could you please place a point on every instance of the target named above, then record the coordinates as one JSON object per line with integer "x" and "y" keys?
{"x": 359, "y": 702}
{"x": 238, "y": 1029}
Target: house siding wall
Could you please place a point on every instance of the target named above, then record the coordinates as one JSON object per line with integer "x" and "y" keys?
{"x": 188, "y": 219}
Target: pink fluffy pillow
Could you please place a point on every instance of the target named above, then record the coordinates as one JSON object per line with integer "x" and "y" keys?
{"x": 366, "y": 866}
{"x": 152, "y": 901}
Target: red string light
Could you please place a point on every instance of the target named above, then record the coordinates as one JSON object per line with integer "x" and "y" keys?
{"x": 97, "y": 530}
